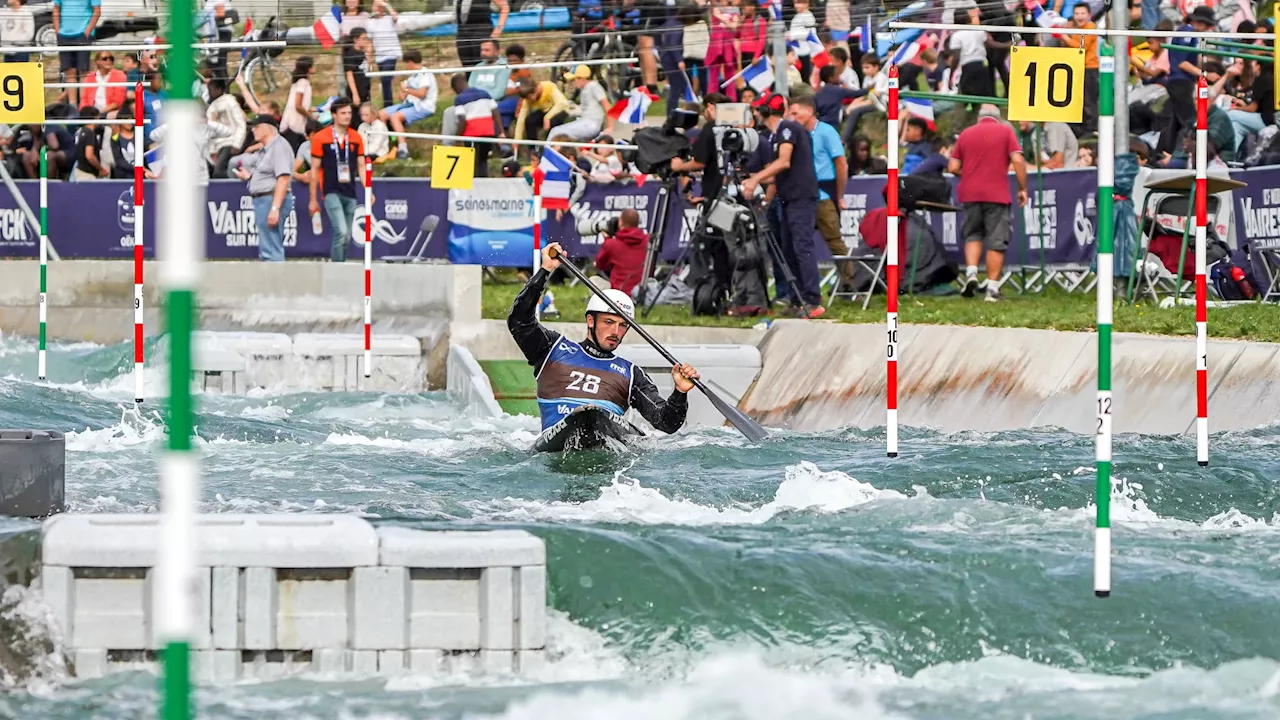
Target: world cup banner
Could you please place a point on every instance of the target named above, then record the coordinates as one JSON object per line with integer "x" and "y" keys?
{"x": 492, "y": 223}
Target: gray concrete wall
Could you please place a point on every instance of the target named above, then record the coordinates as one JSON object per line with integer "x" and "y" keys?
{"x": 92, "y": 300}
{"x": 820, "y": 376}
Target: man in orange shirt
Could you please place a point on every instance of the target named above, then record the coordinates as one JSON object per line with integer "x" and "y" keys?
{"x": 337, "y": 154}
{"x": 1080, "y": 18}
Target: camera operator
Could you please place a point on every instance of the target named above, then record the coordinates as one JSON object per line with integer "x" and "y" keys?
{"x": 704, "y": 157}
{"x": 797, "y": 187}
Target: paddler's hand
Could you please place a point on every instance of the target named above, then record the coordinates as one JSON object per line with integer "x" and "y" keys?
{"x": 684, "y": 375}
{"x": 551, "y": 255}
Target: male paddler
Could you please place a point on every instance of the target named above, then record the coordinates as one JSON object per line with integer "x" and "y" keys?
{"x": 572, "y": 374}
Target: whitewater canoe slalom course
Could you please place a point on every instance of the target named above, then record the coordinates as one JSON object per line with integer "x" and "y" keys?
{"x": 310, "y": 490}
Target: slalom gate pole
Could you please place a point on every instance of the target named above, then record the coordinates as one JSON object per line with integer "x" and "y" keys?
{"x": 139, "y": 244}
{"x": 368, "y": 266}
{"x": 1106, "y": 240}
{"x": 41, "y": 355}
{"x": 180, "y": 250}
{"x": 891, "y": 292}
{"x": 538, "y": 175}
{"x": 1202, "y": 289}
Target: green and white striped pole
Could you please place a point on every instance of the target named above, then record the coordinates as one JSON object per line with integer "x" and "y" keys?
{"x": 1106, "y": 239}
{"x": 180, "y": 248}
{"x": 42, "y": 356}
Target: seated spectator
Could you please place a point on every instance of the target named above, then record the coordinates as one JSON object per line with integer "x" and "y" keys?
{"x": 509, "y": 105}
{"x": 419, "y": 95}
{"x": 107, "y": 100}
{"x": 153, "y": 100}
{"x": 939, "y": 157}
{"x": 61, "y": 151}
{"x": 1154, "y": 71}
{"x": 377, "y": 143}
{"x": 225, "y": 111}
{"x": 604, "y": 164}
{"x": 593, "y": 109}
{"x": 478, "y": 114}
{"x": 915, "y": 135}
{"x": 876, "y": 85}
{"x": 117, "y": 147}
{"x": 1054, "y": 147}
{"x": 621, "y": 257}
{"x": 542, "y": 106}
{"x": 861, "y": 161}
{"x": 88, "y": 166}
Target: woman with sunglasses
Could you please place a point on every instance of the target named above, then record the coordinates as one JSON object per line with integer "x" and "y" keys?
{"x": 103, "y": 97}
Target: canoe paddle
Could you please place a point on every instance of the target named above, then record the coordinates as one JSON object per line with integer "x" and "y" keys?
{"x": 745, "y": 425}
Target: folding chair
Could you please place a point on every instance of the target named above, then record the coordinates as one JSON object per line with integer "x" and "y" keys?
{"x": 419, "y": 244}
{"x": 1271, "y": 265}
{"x": 870, "y": 261}
{"x": 1173, "y": 213}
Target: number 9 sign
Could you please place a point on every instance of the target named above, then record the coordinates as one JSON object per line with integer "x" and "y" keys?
{"x": 1046, "y": 84}
{"x": 21, "y": 93}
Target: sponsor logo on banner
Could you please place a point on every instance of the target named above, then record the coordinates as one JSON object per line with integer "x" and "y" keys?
{"x": 395, "y": 209}
{"x": 855, "y": 209}
{"x": 612, "y": 207}
{"x": 1261, "y": 220}
{"x": 125, "y": 217}
{"x": 237, "y": 227}
{"x": 1082, "y": 226}
{"x": 15, "y": 230}
{"x": 382, "y": 229}
{"x": 492, "y": 224}
{"x": 1041, "y": 220}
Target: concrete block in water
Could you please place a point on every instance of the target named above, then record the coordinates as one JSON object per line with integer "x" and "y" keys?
{"x": 32, "y": 473}
{"x": 280, "y": 594}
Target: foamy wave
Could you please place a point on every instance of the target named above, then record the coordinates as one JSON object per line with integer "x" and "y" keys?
{"x": 805, "y": 487}
{"x": 438, "y": 447}
{"x": 133, "y": 429}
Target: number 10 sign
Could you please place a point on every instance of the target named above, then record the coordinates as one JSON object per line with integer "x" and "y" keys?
{"x": 1046, "y": 84}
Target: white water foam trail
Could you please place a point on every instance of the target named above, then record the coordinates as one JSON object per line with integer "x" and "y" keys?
{"x": 805, "y": 487}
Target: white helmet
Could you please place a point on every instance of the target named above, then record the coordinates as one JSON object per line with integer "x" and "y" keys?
{"x": 619, "y": 298}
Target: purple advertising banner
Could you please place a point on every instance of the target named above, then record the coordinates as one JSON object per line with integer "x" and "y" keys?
{"x": 1257, "y": 216}
{"x": 95, "y": 219}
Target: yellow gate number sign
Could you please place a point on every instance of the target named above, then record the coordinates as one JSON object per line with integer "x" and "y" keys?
{"x": 21, "y": 93}
{"x": 452, "y": 168}
{"x": 1046, "y": 84}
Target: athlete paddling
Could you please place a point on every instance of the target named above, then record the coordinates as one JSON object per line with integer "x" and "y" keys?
{"x": 572, "y": 375}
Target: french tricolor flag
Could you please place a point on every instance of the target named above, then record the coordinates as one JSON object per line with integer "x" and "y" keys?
{"x": 866, "y": 36}
{"x": 775, "y": 8}
{"x": 759, "y": 74}
{"x": 557, "y": 171}
{"x": 817, "y": 51}
{"x": 904, "y": 54}
{"x": 248, "y": 31}
{"x": 328, "y": 28}
{"x": 633, "y": 107}
{"x": 920, "y": 108}
{"x": 1045, "y": 18}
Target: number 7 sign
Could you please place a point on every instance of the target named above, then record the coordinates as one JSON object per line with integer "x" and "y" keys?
{"x": 452, "y": 167}
{"x": 1046, "y": 84}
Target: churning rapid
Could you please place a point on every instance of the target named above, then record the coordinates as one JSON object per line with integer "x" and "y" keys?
{"x": 702, "y": 577}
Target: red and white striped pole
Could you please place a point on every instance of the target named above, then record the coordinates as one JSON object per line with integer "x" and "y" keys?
{"x": 891, "y": 247}
{"x": 139, "y": 202}
{"x": 538, "y": 175}
{"x": 1202, "y": 288}
{"x": 368, "y": 266}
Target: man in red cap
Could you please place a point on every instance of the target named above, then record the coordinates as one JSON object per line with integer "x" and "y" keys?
{"x": 797, "y": 188}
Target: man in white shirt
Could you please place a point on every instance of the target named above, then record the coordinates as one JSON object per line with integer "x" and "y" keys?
{"x": 593, "y": 103}
{"x": 17, "y": 28}
{"x": 420, "y": 94}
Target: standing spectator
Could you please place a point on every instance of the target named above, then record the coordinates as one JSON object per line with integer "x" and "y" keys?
{"x": 1080, "y": 18}
{"x": 88, "y": 166}
{"x": 621, "y": 257}
{"x": 386, "y": 45}
{"x": 751, "y": 35}
{"x": 76, "y": 21}
{"x": 17, "y": 29}
{"x": 419, "y": 93}
{"x": 225, "y": 111}
{"x": 478, "y": 114}
{"x": 297, "y": 109}
{"x": 1053, "y": 148}
{"x": 696, "y": 42}
{"x": 1179, "y": 111}
{"x": 971, "y": 48}
{"x": 107, "y": 100}
{"x": 353, "y": 16}
{"x": 338, "y": 154}
{"x": 722, "y": 53}
{"x": 593, "y": 102}
{"x": 838, "y": 22}
{"x": 998, "y": 45}
{"x": 801, "y": 23}
{"x": 831, "y": 171}
{"x": 269, "y": 186}
{"x": 475, "y": 25}
{"x": 509, "y": 105}
{"x": 981, "y": 158}
{"x": 357, "y": 58}
{"x": 207, "y": 134}
{"x": 797, "y": 188}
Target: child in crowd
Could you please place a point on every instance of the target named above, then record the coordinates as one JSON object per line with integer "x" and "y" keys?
{"x": 801, "y": 24}
{"x": 832, "y": 96}
{"x": 605, "y": 166}
{"x": 377, "y": 144}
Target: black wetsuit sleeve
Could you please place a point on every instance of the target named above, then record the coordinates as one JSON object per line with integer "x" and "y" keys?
{"x": 534, "y": 340}
{"x": 666, "y": 415}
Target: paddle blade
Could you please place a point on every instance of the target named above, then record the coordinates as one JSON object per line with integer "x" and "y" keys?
{"x": 748, "y": 427}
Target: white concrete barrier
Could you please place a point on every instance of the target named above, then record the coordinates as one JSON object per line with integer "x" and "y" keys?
{"x": 236, "y": 362}
{"x": 280, "y": 594}
{"x": 469, "y": 386}
{"x": 728, "y": 369}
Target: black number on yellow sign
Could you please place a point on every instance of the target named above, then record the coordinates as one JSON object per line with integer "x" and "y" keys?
{"x": 1060, "y": 75}
{"x": 452, "y": 166}
{"x": 12, "y": 90}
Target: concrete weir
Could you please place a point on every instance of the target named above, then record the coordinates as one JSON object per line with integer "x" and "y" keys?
{"x": 819, "y": 376}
